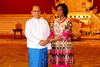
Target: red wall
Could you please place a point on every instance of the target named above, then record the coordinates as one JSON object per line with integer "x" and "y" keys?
{"x": 97, "y": 3}
{"x": 24, "y": 6}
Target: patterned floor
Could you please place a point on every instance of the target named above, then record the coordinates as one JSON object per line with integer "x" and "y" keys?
{"x": 14, "y": 53}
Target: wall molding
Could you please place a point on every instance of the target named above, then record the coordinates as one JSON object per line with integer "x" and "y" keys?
{"x": 8, "y": 21}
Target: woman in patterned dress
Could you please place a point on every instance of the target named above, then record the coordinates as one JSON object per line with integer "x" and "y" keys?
{"x": 61, "y": 54}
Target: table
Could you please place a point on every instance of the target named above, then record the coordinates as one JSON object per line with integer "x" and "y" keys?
{"x": 17, "y": 30}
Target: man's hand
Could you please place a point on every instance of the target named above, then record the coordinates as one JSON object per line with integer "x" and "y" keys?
{"x": 43, "y": 42}
{"x": 48, "y": 51}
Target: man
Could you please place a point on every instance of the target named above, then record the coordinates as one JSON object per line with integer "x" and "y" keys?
{"x": 36, "y": 32}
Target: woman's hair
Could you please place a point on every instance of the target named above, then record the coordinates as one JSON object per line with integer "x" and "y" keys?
{"x": 65, "y": 9}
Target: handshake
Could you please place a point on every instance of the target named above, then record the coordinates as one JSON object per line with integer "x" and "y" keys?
{"x": 44, "y": 42}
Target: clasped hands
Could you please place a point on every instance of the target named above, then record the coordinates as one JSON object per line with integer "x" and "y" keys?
{"x": 44, "y": 42}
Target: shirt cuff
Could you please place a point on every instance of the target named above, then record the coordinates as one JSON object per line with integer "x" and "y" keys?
{"x": 49, "y": 46}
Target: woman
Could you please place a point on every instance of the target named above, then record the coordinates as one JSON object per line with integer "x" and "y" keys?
{"x": 61, "y": 54}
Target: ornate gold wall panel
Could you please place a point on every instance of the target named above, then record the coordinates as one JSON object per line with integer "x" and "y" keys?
{"x": 76, "y": 5}
{"x": 79, "y": 9}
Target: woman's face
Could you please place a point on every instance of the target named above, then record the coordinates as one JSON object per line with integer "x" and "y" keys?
{"x": 60, "y": 11}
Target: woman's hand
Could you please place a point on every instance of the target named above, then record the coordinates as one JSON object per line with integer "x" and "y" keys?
{"x": 51, "y": 40}
{"x": 55, "y": 39}
{"x": 48, "y": 40}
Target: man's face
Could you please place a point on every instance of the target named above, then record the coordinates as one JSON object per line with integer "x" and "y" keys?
{"x": 36, "y": 12}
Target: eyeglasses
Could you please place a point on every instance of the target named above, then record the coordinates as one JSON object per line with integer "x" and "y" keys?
{"x": 36, "y": 11}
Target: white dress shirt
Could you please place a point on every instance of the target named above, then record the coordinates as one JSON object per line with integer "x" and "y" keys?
{"x": 36, "y": 30}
